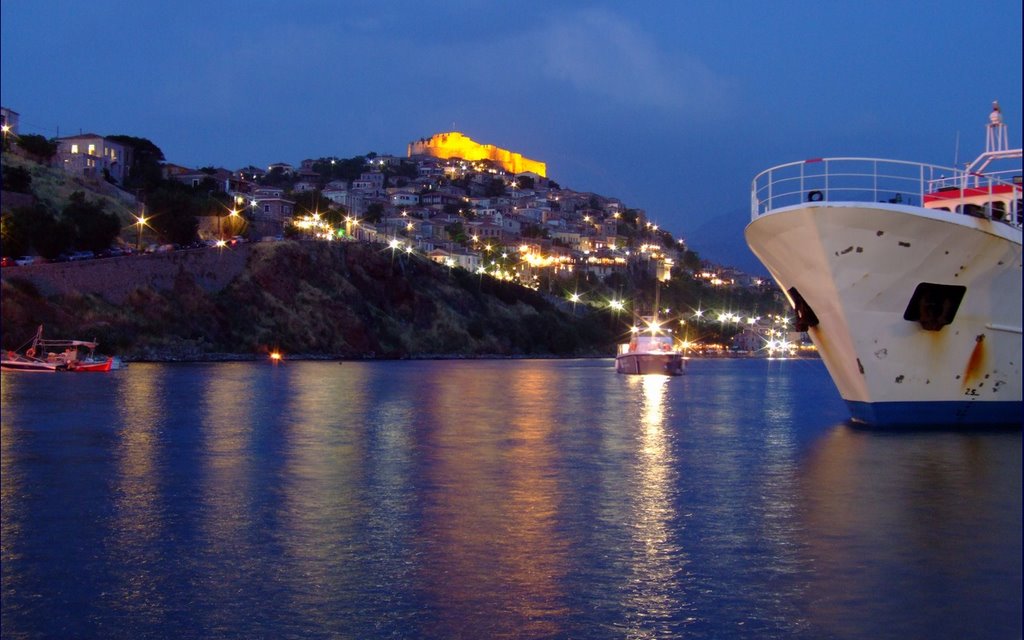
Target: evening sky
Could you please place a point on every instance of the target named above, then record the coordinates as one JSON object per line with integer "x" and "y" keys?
{"x": 672, "y": 107}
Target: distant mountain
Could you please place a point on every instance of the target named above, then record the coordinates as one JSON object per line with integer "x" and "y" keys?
{"x": 721, "y": 241}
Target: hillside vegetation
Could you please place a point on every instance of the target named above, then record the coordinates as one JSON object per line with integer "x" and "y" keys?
{"x": 53, "y": 187}
{"x": 318, "y": 299}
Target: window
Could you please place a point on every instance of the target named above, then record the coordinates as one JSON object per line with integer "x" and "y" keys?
{"x": 74, "y": 148}
{"x": 92, "y": 149}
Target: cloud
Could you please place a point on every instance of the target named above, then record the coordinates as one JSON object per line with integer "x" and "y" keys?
{"x": 598, "y": 53}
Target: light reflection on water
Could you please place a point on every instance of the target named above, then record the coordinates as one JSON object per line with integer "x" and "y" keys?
{"x": 493, "y": 499}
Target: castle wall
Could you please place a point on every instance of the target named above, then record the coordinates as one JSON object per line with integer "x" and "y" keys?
{"x": 455, "y": 145}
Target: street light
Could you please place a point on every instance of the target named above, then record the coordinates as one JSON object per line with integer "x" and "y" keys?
{"x": 141, "y": 221}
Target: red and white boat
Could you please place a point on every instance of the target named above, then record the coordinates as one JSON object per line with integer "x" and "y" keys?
{"x": 44, "y": 355}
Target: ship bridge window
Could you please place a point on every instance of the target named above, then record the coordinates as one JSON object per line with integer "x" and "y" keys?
{"x": 934, "y": 305}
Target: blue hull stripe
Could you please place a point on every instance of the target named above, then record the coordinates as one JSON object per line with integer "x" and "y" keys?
{"x": 937, "y": 414}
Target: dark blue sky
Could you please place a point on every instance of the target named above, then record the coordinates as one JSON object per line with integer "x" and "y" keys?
{"x": 671, "y": 106}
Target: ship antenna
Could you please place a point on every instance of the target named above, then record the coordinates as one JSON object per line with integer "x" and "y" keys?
{"x": 998, "y": 139}
{"x": 956, "y": 151}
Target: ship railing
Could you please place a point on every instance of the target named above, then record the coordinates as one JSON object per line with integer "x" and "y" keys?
{"x": 824, "y": 180}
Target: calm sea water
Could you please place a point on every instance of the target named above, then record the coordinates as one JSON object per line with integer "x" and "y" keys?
{"x": 480, "y": 499}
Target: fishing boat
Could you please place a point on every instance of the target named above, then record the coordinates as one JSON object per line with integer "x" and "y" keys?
{"x": 650, "y": 350}
{"x": 907, "y": 278}
{"x": 14, "y": 361}
{"x": 43, "y": 355}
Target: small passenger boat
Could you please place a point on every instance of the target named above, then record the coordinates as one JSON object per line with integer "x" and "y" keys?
{"x": 650, "y": 350}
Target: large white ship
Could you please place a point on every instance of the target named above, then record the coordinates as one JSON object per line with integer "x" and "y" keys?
{"x": 906, "y": 276}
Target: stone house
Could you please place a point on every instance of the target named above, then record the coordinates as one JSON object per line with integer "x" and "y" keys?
{"x": 270, "y": 215}
{"x": 93, "y": 156}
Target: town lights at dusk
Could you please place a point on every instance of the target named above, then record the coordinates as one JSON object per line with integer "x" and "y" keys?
{"x": 470, "y": 320}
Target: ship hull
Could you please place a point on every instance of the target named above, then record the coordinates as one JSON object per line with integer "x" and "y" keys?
{"x": 855, "y": 272}
{"x": 666, "y": 364}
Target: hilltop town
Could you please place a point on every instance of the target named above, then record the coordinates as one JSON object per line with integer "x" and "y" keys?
{"x": 459, "y": 203}
{"x": 451, "y": 199}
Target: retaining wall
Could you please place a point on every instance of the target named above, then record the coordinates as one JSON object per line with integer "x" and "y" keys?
{"x": 114, "y": 278}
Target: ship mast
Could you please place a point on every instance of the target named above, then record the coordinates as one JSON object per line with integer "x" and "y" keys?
{"x": 997, "y": 144}
{"x": 998, "y": 139}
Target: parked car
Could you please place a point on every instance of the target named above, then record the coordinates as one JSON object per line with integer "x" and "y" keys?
{"x": 24, "y": 261}
{"x": 6, "y": 262}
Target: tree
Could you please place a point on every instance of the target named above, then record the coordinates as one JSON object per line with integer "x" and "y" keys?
{"x": 534, "y": 231}
{"x": 278, "y": 177}
{"x": 495, "y": 187}
{"x": 51, "y": 236}
{"x": 16, "y": 229}
{"x": 374, "y": 212}
{"x": 145, "y": 171}
{"x": 37, "y": 145}
{"x": 311, "y": 202}
{"x": 525, "y": 182}
{"x": 343, "y": 169}
{"x": 691, "y": 260}
{"x": 17, "y": 179}
{"x": 456, "y": 231}
{"x": 93, "y": 228}
{"x": 172, "y": 211}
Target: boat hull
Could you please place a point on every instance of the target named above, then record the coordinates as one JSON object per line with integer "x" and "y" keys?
{"x": 87, "y": 366}
{"x": 666, "y": 364}
{"x": 853, "y": 270}
{"x": 38, "y": 367}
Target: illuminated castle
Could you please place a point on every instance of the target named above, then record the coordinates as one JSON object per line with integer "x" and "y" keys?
{"x": 455, "y": 145}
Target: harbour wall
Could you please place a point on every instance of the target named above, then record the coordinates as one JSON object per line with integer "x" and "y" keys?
{"x": 114, "y": 279}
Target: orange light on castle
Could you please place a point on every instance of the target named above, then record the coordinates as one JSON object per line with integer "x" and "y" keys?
{"x": 455, "y": 145}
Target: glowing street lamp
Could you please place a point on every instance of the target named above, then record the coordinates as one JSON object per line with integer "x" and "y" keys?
{"x": 141, "y": 221}
{"x": 574, "y": 298}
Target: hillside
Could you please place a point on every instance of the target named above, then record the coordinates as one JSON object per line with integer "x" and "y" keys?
{"x": 53, "y": 188}
{"x": 312, "y": 299}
